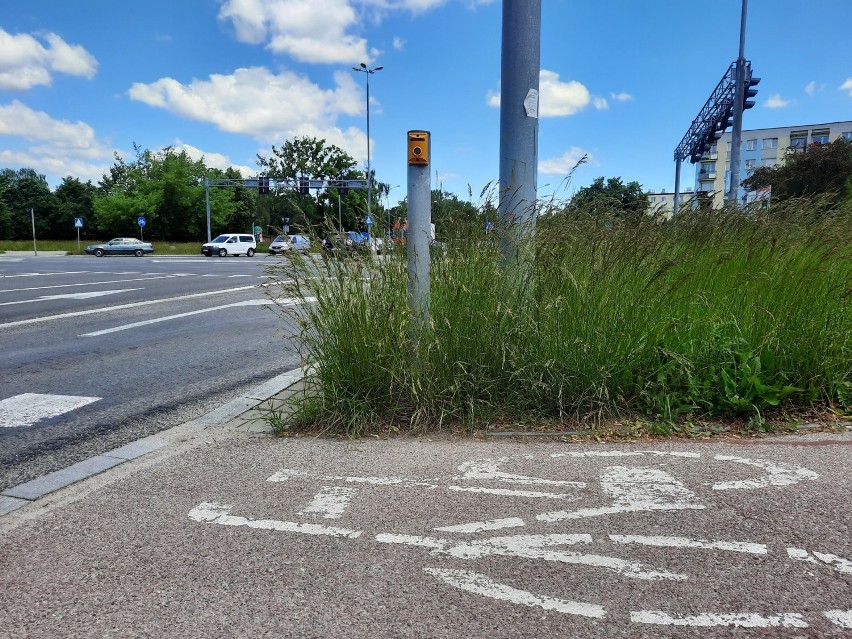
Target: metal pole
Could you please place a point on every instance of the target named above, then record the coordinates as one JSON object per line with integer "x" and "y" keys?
{"x": 519, "y": 82}
{"x": 676, "y": 200}
{"x": 419, "y": 233}
{"x": 369, "y": 177}
{"x": 207, "y": 202}
{"x": 32, "y": 216}
{"x": 736, "y": 134}
{"x": 339, "y": 215}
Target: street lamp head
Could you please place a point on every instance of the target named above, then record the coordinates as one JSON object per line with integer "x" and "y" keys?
{"x": 356, "y": 68}
{"x": 378, "y": 68}
{"x": 363, "y": 66}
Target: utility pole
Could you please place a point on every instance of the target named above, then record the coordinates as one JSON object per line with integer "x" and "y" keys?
{"x": 739, "y": 99}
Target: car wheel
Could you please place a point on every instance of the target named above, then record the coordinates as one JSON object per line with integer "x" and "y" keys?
{"x": 99, "y": 252}
{"x": 250, "y": 253}
{"x": 139, "y": 252}
{"x": 223, "y": 252}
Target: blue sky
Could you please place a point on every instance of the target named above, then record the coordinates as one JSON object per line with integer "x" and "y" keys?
{"x": 621, "y": 81}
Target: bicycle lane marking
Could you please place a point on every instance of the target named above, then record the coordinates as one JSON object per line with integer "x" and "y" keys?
{"x": 629, "y": 490}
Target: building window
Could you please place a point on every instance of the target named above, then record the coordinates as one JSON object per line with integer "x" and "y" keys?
{"x": 819, "y": 136}
{"x": 751, "y": 145}
{"x": 653, "y": 199}
{"x": 798, "y": 139}
{"x": 750, "y": 165}
{"x": 847, "y": 135}
{"x": 770, "y": 143}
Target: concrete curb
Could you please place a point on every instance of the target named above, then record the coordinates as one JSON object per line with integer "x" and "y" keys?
{"x": 23, "y": 494}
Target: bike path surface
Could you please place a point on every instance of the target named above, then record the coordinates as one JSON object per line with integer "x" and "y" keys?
{"x": 228, "y": 531}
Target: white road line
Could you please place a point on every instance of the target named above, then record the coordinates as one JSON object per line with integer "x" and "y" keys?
{"x": 44, "y": 274}
{"x": 213, "y": 513}
{"x": 118, "y": 307}
{"x": 838, "y": 563}
{"x": 712, "y": 620}
{"x": 330, "y": 502}
{"x": 488, "y": 469}
{"x": 27, "y": 409}
{"x": 156, "y": 320}
{"x": 406, "y": 482}
{"x": 479, "y": 526}
{"x": 842, "y": 618}
{"x": 42, "y": 288}
{"x": 482, "y": 585}
{"x": 684, "y": 542}
{"x": 507, "y": 492}
{"x": 71, "y": 296}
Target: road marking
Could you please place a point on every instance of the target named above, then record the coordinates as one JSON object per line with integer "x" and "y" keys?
{"x": 712, "y": 619}
{"x": 135, "y": 279}
{"x": 479, "y": 526}
{"x": 842, "y": 618}
{"x": 29, "y": 408}
{"x": 838, "y": 563}
{"x": 482, "y": 585}
{"x": 156, "y": 320}
{"x": 44, "y": 274}
{"x": 330, "y": 502}
{"x": 684, "y": 542}
{"x": 506, "y": 492}
{"x": 777, "y": 474}
{"x": 118, "y": 307}
{"x": 533, "y": 547}
{"x": 214, "y": 513}
{"x": 71, "y": 296}
{"x": 406, "y": 482}
{"x": 487, "y": 469}
{"x": 634, "y": 490}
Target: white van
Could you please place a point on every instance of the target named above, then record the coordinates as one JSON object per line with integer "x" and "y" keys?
{"x": 231, "y": 244}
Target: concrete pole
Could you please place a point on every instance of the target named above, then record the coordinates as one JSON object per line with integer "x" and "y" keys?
{"x": 519, "y": 97}
{"x": 419, "y": 226}
{"x": 739, "y": 98}
{"x": 676, "y": 201}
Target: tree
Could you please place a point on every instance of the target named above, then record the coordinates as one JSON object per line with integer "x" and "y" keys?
{"x": 612, "y": 197}
{"x": 817, "y": 170}
{"x": 313, "y": 159}
{"x": 73, "y": 199}
{"x": 23, "y": 191}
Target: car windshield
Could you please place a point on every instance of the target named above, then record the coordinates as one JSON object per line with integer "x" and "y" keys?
{"x": 279, "y": 239}
{"x": 221, "y": 239}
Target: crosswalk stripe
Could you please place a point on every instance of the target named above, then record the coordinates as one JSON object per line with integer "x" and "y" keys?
{"x": 28, "y": 408}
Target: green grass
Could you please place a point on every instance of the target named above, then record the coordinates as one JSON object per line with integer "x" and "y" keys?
{"x": 714, "y": 314}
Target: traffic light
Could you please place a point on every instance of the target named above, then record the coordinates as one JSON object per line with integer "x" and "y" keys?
{"x": 263, "y": 185}
{"x": 750, "y": 92}
{"x": 303, "y": 186}
{"x": 727, "y": 119}
{"x": 343, "y": 188}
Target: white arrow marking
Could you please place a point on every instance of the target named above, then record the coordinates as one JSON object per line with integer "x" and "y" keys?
{"x": 488, "y": 469}
{"x": 482, "y": 585}
{"x": 406, "y": 482}
{"x": 27, "y": 409}
{"x": 213, "y": 513}
{"x": 711, "y": 619}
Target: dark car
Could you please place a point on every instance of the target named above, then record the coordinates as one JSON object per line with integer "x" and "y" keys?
{"x": 121, "y": 246}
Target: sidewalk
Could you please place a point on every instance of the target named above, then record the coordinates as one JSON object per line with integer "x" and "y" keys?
{"x": 243, "y": 415}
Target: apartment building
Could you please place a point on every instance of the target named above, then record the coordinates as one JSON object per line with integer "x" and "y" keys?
{"x": 760, "y": 147}
{"x": 663, "y": 203}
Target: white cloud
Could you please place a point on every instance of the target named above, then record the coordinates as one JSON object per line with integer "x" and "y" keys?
{"x": 847, "y": 86}
{"x": 214, "y": 160}
{"x": 621, "y": 97}
{"x": 563, "y": 164}
{"x": 25, "y": 62}
{"x": 775, "y": 101}
{"x": 266, "y": 106}
{"x": 58, "y": 147}
{"x": 398, "y": 43}
{"x": 306, "y": 30}
{"x": 810, "y": 87}
{"x": 558, "y": 98}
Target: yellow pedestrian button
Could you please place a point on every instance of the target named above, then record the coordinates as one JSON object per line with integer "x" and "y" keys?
{"x": 418, "y": 148}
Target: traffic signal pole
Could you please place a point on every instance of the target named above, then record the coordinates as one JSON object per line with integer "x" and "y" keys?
{"x": 739, "y": 100}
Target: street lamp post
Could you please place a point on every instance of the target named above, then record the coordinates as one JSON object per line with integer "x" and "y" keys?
{"x": 368, "y": 72}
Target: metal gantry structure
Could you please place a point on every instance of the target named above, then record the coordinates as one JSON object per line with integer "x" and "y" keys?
{"x": 265, "y": 184}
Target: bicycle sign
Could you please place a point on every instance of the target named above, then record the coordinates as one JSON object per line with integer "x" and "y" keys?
{"x": 541, "y": 524}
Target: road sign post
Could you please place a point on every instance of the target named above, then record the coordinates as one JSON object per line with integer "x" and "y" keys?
{"x": 78, "y": 224}
{"x": 141, "y": 221}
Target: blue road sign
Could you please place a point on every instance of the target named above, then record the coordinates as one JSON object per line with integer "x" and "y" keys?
{"x": 141, "y": 221}
{"x": 368, "y": 221}
{"x": 78, "y": 222}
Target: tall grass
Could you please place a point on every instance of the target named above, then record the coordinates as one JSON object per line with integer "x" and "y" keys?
{"x": 713, "y": 313}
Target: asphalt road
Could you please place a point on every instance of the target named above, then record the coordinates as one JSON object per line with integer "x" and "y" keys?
{"x": 253, "y": 536}
{"x": 99, "y": 352}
